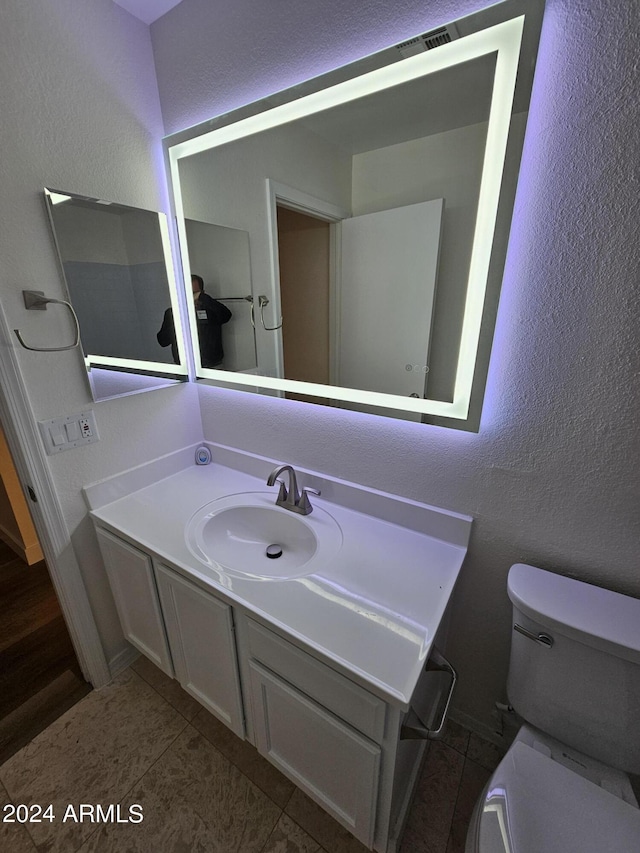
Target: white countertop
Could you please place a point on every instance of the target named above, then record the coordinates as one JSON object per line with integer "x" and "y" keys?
{"x": 373, "y": 611}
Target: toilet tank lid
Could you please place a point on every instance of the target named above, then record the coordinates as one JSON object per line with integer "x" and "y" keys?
{"x": 589, "y": 614}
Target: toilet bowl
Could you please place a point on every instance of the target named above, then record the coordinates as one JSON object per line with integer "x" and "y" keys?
{"x": 574, "y": 677}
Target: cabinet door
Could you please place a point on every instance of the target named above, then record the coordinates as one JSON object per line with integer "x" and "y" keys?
{"x": 201, "y": 636}
{"x": 327, "y": 759}
{"x": 130, "y": 574}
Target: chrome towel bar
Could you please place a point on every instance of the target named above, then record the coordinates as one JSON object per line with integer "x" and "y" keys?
{"x": 434, "y": 685}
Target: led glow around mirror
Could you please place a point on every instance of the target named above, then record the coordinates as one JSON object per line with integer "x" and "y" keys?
{"x": 501, "y": 41}
{"x": 117, "y": 269}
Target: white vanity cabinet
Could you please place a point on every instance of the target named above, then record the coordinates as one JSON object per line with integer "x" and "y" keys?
{"x": 202, "y": 642}
{"x": 317, "y": 727}
{"x": 132, "y": 581}
{"x": 184, "y": 630}
{"x": 325, "y": 758}
{"x": 339, "y": 741}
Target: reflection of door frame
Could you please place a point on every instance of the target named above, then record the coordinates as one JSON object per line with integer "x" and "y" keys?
{"x": 29, "y": 458}
{"x": 281, "y": 194}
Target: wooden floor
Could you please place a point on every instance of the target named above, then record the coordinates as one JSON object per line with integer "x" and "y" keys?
{"x": 39, "y": 674}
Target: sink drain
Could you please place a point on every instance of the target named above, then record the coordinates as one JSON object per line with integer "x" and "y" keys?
{"x": 274, "y": 551}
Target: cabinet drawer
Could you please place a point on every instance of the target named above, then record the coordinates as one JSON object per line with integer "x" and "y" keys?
{"x": 338, "y": 694}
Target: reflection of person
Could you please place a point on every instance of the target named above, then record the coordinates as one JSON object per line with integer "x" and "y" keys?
{"x": 211, "y": 315}
{"x": 167, "y": 335}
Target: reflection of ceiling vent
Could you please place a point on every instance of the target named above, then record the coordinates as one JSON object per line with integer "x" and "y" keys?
{"x": 427, "y": 41}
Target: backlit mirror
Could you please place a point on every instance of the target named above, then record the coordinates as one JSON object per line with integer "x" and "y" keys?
{"x": 377, "y": 203}
{"x": 116, "y": 264}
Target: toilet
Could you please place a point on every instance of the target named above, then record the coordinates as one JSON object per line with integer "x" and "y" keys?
{"x": 574, "y": 679}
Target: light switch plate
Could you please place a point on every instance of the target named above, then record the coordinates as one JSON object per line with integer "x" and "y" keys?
{"x": 69, "y": 431}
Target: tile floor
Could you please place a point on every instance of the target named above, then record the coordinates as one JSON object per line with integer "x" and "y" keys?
{"x": 142, "y": 740}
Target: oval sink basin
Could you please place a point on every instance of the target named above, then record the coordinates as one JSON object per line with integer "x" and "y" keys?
{"x": 233, "y": 534}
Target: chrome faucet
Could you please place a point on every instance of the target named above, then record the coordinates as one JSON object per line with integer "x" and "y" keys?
{"x": 291, "y": 498}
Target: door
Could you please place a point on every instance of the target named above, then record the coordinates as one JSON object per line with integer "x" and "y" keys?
{"x": 132, "y": 582}
{"x": 16, "y": 526}
{"x": 388, "y": 281}
{"x": 40, "y": 674}
{"x": 304, "y": 260}
{"x": 202, "y": 641}
{"x": 327, "y": 759}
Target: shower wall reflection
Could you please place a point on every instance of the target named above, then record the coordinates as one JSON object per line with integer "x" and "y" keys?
{"x": 118, "y": 272}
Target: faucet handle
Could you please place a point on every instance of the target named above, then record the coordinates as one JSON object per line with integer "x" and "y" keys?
{"x": 282, "y": 494}
{"x": 304, "y": 503}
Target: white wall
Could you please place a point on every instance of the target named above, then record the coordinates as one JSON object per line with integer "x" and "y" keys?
{"x": 228, "y": 187}
{"x": 552, "y": 477}
{"x": 80, "y": 112}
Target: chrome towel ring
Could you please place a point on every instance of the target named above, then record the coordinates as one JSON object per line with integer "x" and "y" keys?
{"x": 263, "y": 301}
{"x": 36, "y": 300}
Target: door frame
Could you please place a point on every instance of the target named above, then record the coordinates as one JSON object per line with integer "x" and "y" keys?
{"x": 302, "y": 202}
{"x": 27, "y": 451}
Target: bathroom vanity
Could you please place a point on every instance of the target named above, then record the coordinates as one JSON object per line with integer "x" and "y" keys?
{"x": 315, "y": 657}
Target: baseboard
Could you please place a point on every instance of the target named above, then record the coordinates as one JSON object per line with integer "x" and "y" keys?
{"x": 482, "y": 729}
{"x": 31, "y": 553}
{"x": 122, "y": 661}
{"x": 9, "y": 539}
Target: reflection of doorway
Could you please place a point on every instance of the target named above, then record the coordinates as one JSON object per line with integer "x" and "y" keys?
{"x": 369, "y": 321}
{"x": 304, "y": 261}
{"x": 40, "y": 677}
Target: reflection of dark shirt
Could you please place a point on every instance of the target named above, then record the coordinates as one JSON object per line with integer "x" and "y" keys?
{"x": 167, "y": 334}
{"x": 209, "y": 330}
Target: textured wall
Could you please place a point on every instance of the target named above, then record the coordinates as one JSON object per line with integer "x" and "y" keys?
{"x": 211, "y": 58}
{"x": 80, "y": 112}
{"x": 230, "y": 191}
{"x": 552, "y": 477}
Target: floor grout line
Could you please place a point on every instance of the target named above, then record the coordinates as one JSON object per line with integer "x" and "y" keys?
{"x": 273, "y": 829}
{"x": 189, "y": 723}
{"x": 139, "y": 779}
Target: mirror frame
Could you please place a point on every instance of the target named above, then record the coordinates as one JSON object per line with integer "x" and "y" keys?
{"x": 495, "y": 205}
{"x": 160, "y": 369}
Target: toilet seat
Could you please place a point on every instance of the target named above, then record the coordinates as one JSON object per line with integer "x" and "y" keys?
{"x": 533, "y": 804}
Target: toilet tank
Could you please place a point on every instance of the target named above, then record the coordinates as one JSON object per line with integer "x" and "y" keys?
{"x": 574, "y": 670}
